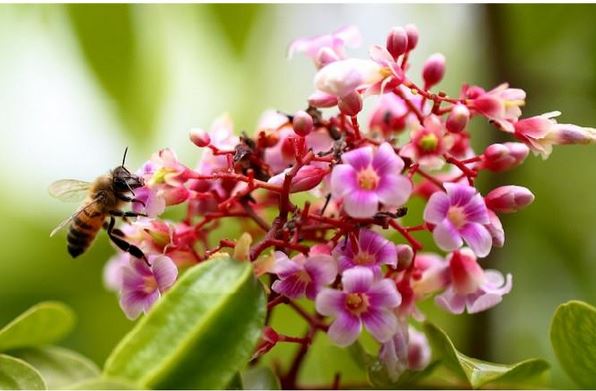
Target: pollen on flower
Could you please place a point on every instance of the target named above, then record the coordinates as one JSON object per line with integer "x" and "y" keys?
{"x": 368, "y": 179}
{"x": 357, "y": 303}
{"x": 456, "y": 216}
{"x": 429, "y": 142}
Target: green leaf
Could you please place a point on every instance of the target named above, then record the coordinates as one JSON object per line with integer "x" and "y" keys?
{"x": 59, "y": 367}
{"x": 102, "y": 383}
{"x": 200, "y": 334}
{"x": 573, "y": 335}
{"x": 477, "y": 373}
{"x": 260, "y": 378}
{"x": 41, "y": 324}
{"x": 16, "y": 374}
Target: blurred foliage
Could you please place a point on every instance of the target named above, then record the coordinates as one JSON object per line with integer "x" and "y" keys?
{"x": 133, "y": 53}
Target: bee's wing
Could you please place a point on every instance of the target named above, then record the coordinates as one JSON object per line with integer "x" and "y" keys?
{"x": 72, "y": 217}
{"x": 69, "y": 190}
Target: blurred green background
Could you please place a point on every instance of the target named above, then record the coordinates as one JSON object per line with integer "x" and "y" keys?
{"x": 78, "y": 83}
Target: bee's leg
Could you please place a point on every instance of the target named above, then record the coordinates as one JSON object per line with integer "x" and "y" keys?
{"x": 129, "y": 199}
{"x": 123, "y": 214}
{"x": 123, "y": 244}
{"x": 115, "y": 231}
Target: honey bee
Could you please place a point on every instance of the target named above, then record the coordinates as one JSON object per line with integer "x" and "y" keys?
{"x": 102, "y": 198}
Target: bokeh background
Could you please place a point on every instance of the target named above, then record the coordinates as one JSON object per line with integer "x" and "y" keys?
{"x": 78, "y": 83}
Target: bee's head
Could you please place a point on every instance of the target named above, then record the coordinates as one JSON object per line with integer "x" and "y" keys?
{"x": 123, "y": 181}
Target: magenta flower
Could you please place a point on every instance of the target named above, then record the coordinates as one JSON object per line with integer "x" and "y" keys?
{"x": 142, "y": 285}
{"x": 362, "y": 300}
{"x": 471, "y": 287}
{"x": 372, "y": 250}
{"x": 369, "y": 177}
{"x": 428, "y": 144}
{"x": 302, "y": 275}
{"x": 459, "y": 213}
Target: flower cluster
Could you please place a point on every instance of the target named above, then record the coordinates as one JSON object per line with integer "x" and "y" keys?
{"x": 345, "y": 246}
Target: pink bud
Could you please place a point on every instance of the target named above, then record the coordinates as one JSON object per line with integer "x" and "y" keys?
{"x": 306, "y": 179}
{"x": 199, "y": 137}
{"x": 322, "y": 100}
{"x": 412, "y": 32}
{"x": 508, "y": 199}
{"x": 495, "y": 228}
{"x": 466, "y": 274}
{"x": 458, "y": 118}
{"x": 502, "y": 157}
{"x": 350, "y": 104}
{"x": 405, "y": 255}
{"x": 302, "y": 123}
{"x": 397, "y": 42}
{"x": 433, "y": 70}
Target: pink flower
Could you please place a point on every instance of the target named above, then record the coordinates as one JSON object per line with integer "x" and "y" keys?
{"x": 459, "y": 213}
{"x": 471, "y": 287}
{"x": 501, "y": 104}
{"x": 369, "y": 177}
{"x": 143, "y": 285}
{"x": 541, "y": 132}
{"x": 331, "y": 45}
{"x": 222, "y": 137}
{"x": 389, "y": 116}
{"x": 371, "y": 250}
{"x": 302, "y": 275}
{"x": 431, "y": 275}
{"x": 428, "y": 144}
{"x": 362, "y": 300}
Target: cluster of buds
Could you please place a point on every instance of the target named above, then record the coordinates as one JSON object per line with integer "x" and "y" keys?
{"x": 331, "y": 245}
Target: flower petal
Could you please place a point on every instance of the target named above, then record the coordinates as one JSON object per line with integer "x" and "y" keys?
{"x": 478, "y": 238}
{"x": 330, "y": 302}
{"x": 361, "y": 204}
{"x": 292, "y": 286}
{"x": 284, "y": 267}
{"x": 343, "y": 180}
{"x": 384, "y": 294}
{"x": 134, "y": 302}
{"x": 446, "y": 236}
{"x": 394, "y": 190}
{"x": 381, "y": 324}
{"x": 165, "y": 272}
{"x": 321, "y": 268}
{"x": 359, "y": 158}
{"x": 345, "y": 329}
{"x": 476, "y": 210}
{"x": 386, "y": 160}
{"x": 436, "y": 208}
{"x": 357, "y": 279}
{"x": 459, "y": 194}
{"x": 483, "y": 302}
{"x": 451, "y": 301}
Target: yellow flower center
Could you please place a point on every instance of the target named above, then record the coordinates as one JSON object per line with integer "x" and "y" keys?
{"x": 357, "y": 303}
{"x": 368, "y": 179}
{"x": 159, "y": 176}
{"x": 150, "y": 284}
{"x": 428, "y": 143}
{"x": 456, "y": 216}
{"x": 364, "y": 258}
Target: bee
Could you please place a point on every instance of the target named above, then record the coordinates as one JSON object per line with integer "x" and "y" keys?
{"x": 102, "y": 199}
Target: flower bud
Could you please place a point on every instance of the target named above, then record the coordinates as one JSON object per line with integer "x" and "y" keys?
{"x": 502, "y": 157}
{"x": 508, "y": 199}
{"x": 405, "y": 255}
{"x": 321, "y": 100}
{"x": 350, "y": 104}
{"x": 495, "y": 228}
{"x": 199, "y": 137}
{"x": 412, "y": 32}
{"x": 433, "y": 70}
{"x": 466, "y": 274}
{"x": 302, "y": 123}
{"x": 306, "y": 179}
{"x": 419, "y": 353}
{"x": 397, "y": 42}
{"x": 458, "y": 118}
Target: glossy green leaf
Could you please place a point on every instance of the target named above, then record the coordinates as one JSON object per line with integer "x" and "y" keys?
{"x": 41, "y": 324}
{"x": 59, "y": 367}
{"x": 102, "y": 383}
{"x": 16, "y": 374}
{"x": 573, "y": 335}
{"x": 260, "y": 378}
{"x": 200, "y": 334}
{"x": 477, "y": 373}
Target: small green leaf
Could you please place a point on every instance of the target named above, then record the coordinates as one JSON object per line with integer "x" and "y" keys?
{"x": 477, "y": 373}
{"x": 200, "y": 334}
{"x": 102, "y": 383}
{"x": 41, "y": 324}
{"x": 379, "y": 377}
{"x": 260, "y": 378}
{"x": 16, "y": 374}
{"x": 573, "y": 335}
{"x": 59, "y": 367}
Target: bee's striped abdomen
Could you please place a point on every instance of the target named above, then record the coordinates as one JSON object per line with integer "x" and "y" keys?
{"x": 81, "y": 233}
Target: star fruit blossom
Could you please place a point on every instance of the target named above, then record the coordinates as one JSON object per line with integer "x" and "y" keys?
{"x": 368, "y": 177}
{"x": 361, "y": 301}
{"x": 372, "y": 250}
{"x": 459, "y": 215}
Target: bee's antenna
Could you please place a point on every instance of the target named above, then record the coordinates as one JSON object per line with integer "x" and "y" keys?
{"x": 124, "y": 157}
